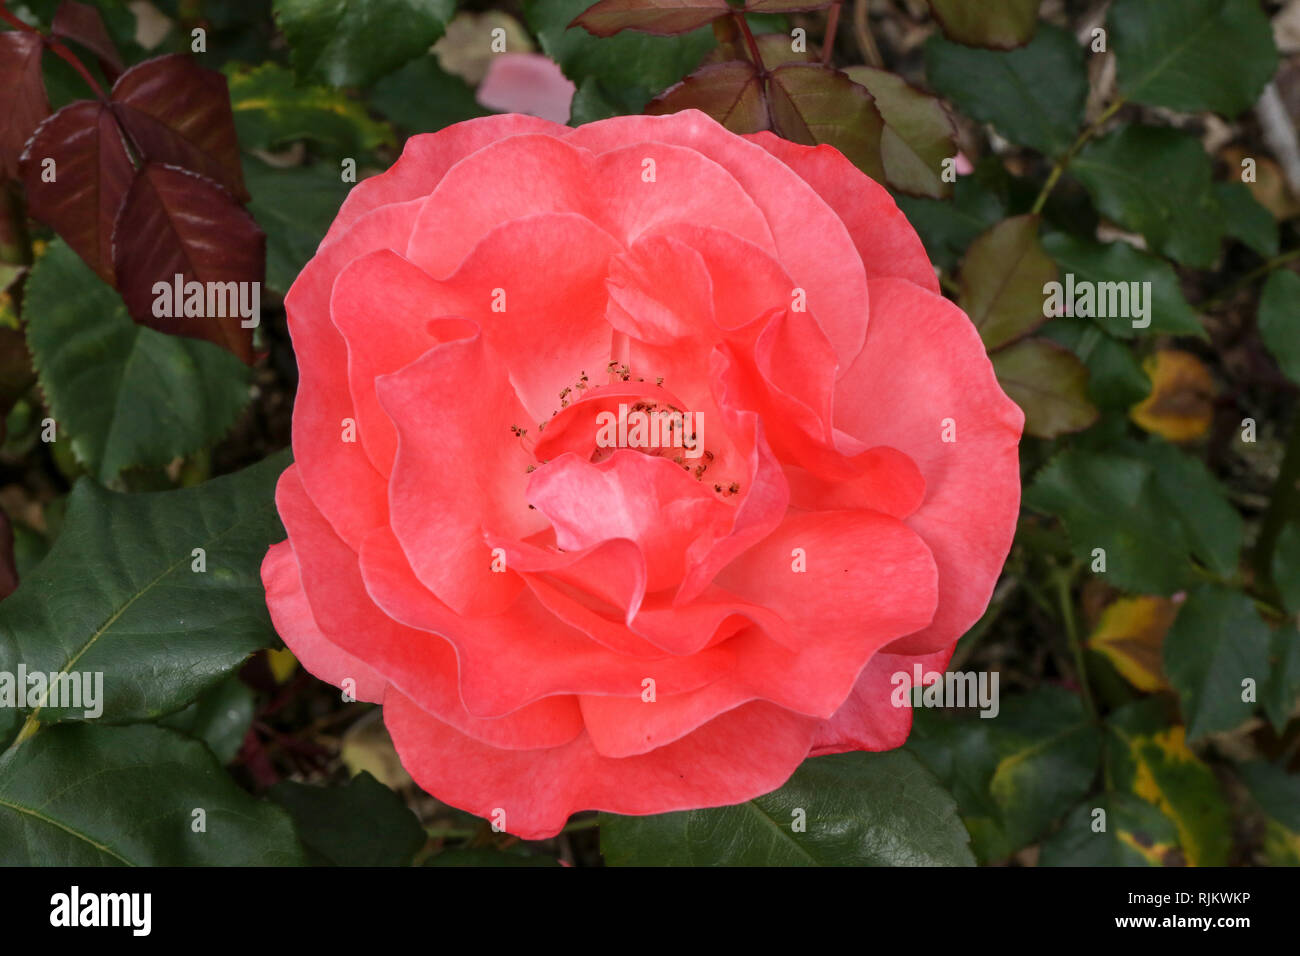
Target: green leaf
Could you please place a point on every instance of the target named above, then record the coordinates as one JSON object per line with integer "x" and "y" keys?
{"x": 1193, "y": 55}
{"x": 1217, "y": 641}
{"x": 948, "y": 227}
{"x": 991, "y": 23}
{"x": 1281, "y": 692}
{"x": 1012, "y": 774}
{"x": 423, "y": 97}
{"x": 1286, "y": 566}
{"x": 119, "y": 593}
{"x": 589, "y": 104}
{"x": 82, "y": 795}
{"x": 1098, "y": 263}
{"x": 127, "y": 396}
{"x": 1149, "y": 758}
{"x": 1115, "y": 377}
{"x": 1245, "y": 219}
{"x": 361, "y": 823}
{"x": 1034, "y": 96}
{"x": 1135, "y": 834}
{"x": 1108, "y": 501}
{"x": 630, "y": 68}
{"x": 918, "y": 134}
{"x": 294, "y": 207}
{"x": 1279, "y": 321}
{"x": 1156, "y": 181}
{"x": 1049, "y": 383}
{"x": 812, "y": 105}
{"x": 1211, "y": 526}
{"x": 1003, "y": 279}
{"x": 861, "y": 809}
{"x": 220, "y": 718}
{"x": 355, "y": 42}
{"x": 1277, "y": 794}
{"x": 1148, "y": 506}
{"x": 272, "y": 110}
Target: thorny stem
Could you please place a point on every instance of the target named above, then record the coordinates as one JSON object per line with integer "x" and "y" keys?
{"x": 832, "y": 25}
{"x": 56, "y": 47}
{"x": 1061, "y": 164}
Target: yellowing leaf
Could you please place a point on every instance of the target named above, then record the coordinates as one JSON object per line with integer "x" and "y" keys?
{"x": 1157, "y": 854}
{"x": 1155, "y": 764}
{"x": 1181, "y": 404}
{"x": 367, "y": 746}
{"x": 1130, "y": 635}
{"x": 282, "y": 663}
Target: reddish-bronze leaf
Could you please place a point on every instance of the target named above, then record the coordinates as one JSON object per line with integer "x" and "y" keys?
{"x": 785, "y": 6}
{"x": 774, "y": 49}
{"x": 1002, "y": 281}
{"x": 80, "y": 194}
{"x": 23, "y": 103}
{"x": 732, "y": 93}
{"x": 178, "y": 113}
{"x": 660, "y": 17}
{"x": 919, "y": 135}
{"x": 1049, "y": 383}
{"x": 813, "y": 104}
{"x": 83, "y": 24}
{"x": 175, "y": 221}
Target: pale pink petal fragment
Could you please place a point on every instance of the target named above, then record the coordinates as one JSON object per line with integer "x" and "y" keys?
{"x": 527, "y": 83}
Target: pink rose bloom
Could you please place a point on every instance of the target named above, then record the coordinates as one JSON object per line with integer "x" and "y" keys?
{"x": 560, "y": 609}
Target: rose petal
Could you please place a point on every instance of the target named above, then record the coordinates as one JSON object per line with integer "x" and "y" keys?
{"x": 811, "y": 241}
{"x": 885, "y": 240}
{"x": 292, "y": 616}
{"x": 455, "y": 414}
{"x": 742, "y": 754}
{"x": 337, "y": 474}
{"x": 527, "y": 175}
{"x": 425, "y": 159}
{"x": 525, "y": 653}
{"x": 972, "y": 485}
{"x": 424, "y": 668}
{"x": 868, "y": 719}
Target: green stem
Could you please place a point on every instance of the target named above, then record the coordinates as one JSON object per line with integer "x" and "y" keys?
{"x": 1284, "y": 505}
{"x": 1066, "y": 603}
{"x": 1058, "y": 169}
{"x": 1249, "y": 278}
